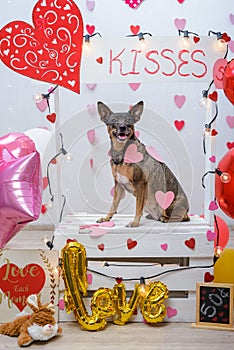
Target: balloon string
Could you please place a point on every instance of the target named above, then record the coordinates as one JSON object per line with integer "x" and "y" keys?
{"x": 156, "y": 275}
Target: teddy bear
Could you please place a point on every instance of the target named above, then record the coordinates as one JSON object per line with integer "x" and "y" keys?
{"x": 38, "y": 326}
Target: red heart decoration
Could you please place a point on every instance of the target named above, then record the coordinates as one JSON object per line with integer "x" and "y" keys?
{"x": 119, "y": 280}
{"x": 101, "y": 247}
{"x": 19, "y": 283}
{"x": 208, "y": 277}
{"x": 230, "y": 145}
{"x": 196, "y": 39}
{"x": 54, "y": 161}
{"x": 99, "y": 60}
{"x": 226, "y": 37}
{"x": 131, "y": 244}
{"x": 179, "y": 124}
{"x": 51, "y": 50}
{"x": 213, "y": 96}
{"x": 214, "y": 132}
{"x": 43, "y": 209}
{"x": 45, "y": 182}
{"x": 190, "y": 243}
{"x": 134, "y": 29}
{"x": 90, "y": 29}
{"x": 51, "y": 117}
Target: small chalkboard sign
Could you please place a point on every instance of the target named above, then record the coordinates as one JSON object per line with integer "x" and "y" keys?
{"x": 214, "y": 306}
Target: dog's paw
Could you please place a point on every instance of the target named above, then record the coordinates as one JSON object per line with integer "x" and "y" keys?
{"x": 102, "y": 220}
{"x": 132, "y": 224}
{"x": 164, "y": 219}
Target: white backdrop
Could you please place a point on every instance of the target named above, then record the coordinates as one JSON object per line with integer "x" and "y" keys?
{"x": 88, "y": 189}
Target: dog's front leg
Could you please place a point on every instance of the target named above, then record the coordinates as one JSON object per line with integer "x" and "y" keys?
{"x": 140, "y": 194}
{"x": 118, "y": 194}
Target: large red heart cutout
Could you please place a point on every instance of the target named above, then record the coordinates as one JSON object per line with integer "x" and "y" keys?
{"x": 18, "y": 283}
{"x": 51, "y": 50}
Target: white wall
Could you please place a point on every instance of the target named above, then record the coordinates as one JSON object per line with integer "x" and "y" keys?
{"x": 88, "y": 189}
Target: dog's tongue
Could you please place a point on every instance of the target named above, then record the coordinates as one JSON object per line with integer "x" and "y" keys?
{"x": 122, "y": 137}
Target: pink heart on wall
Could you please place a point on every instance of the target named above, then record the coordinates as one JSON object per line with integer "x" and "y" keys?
{"x": 230, "y": 121}
{"x": 171, "y": 312}
{"x": 134, "y": 86}
{"x": 90, "y": 5}
{"x": 132, "y": 155}
{"x": 180, "y": 23}
{"x": 179, "y": 100}
{"x": 42, "y": 105}
{"x": 164, "y": 199}
{"x": 91, "y": 135}
{"x": 153, "y": 153}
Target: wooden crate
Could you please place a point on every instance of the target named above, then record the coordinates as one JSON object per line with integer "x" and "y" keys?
{"x": 151, "y": 249}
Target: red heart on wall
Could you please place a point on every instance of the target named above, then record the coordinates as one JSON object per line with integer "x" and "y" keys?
{"x": 179, "y": 124}
{"x": 131, "y": 243}
{"x": 208, "y": 277}
{"x": 213, "y": 96}
{"x": 51, "y": 117}
{"x": 19, "y": 283}
{"x": 134, "y": 29}
{"x": 190, "y": 243}
{"x": 51, "y": 50}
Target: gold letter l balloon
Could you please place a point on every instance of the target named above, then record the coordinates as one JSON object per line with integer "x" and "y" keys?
{"x": 106, "y": 302}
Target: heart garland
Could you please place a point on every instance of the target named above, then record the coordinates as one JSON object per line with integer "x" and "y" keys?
{"x": 51, "y": 50}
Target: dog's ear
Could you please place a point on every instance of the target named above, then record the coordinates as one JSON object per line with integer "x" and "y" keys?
{"x": 136, "y": 111}
{"x": 104, "y": 112}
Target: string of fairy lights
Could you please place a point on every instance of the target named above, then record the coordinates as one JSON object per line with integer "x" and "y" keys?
{"x": 222, "y": 39}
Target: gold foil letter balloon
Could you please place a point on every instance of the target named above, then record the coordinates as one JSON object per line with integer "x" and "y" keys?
{"x": 74, "y": 267}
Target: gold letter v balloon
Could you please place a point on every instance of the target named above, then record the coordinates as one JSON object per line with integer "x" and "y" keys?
{"x": 106, "y": 302}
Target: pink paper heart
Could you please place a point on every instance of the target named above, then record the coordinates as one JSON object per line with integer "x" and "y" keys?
{"x": 153, "y": 153}
{"x": 42, "y": 105}
{"x": 171, "y": 312}
{"x": 231, "y": 16}
{"x": 96, "y": 231}
{"x": 137, "y": 133}
{"x": 90, "y": 5}
{"x": 89, "y": 278}
{"x": 91, "y": 109}
{"x": 132, "y": 155}
{"x": 61, "y": 304}
{"x": 164, "y": 199}
{"x": 134, "y": 4}
{"x": 179, "y": 100}
{"x": 180, "y": 23}
{"x": 108, "y": 223}
{"x": 134, "y": 86}
{"x": 164, "y": 246}
{"x": 91, "y": 135}
{"x": 91, "y": 86}
{"x": 231, "y": 45}
{"x": 230, "y": 121}
{"x": 210, "y": 235}
{"x": 213, "y": 206}
{"x": 212, "y": 159}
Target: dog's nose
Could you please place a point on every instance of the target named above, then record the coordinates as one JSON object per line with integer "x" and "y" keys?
{"x": 122, "y": 128}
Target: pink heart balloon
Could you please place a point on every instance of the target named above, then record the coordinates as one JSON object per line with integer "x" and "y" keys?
{"x": 20, "y": 183}
{"x": 91, "y": 135}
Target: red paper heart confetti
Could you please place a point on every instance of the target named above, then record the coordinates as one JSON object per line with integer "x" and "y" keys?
{"x": 134, "y": 29}
{"x": 90, "y": 29}
{"x": 51, "y": 50}
{"x": 43, "y": 209}
{"x": 131, "y": 244}
{"x": 101, "y": 247}
{"x": 230, "y": 145}
{"x": 213, "y": 96}
{"x": 190, "y": 243}
{"x": 196, "y": 39}
{"x": 214, "y": 132}
{"x": 119, "y": 280}
{"x": 99, "y": 60}
{"x": 134, "y": 4}
{"x": 51, "y": 117}
{"x": 11, "y": 276}
{"x": 171, "y": 312}
{"x": 226, "y": 37}
{"x": 179, "y": 124}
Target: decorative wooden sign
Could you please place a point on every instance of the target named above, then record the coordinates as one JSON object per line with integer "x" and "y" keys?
{"x": 26, "y": 272}
{"x": 214, "y": 306}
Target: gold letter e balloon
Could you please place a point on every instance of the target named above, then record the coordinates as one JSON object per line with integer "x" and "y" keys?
{"x": 106, "y": 302}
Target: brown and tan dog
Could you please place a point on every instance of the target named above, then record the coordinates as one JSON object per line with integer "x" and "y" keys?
{"x": 142, "y": 178}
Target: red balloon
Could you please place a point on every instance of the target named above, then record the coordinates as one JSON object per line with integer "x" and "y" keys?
{"x": 228, "y": 81}
{"x": 224, "y": 184}
{"x": 222, "y": 233}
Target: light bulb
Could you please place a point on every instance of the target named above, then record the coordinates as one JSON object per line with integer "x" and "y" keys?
{"x": 204, "y": 102}
{"x": 50, "y": 203}
{"x": 225, "y": 178}
{"x": 68, "y": 156}
{"x": 38, "y": 97}
{"x": 218, "y": 251}
{"x": 221, "y": 44}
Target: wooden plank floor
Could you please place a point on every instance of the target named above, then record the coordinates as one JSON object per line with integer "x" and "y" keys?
{"x": 167, "y": 336}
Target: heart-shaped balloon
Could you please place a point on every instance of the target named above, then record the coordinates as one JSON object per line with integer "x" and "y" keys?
{"x": 228, "y": 81}
{"x": 51, "y": 50}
